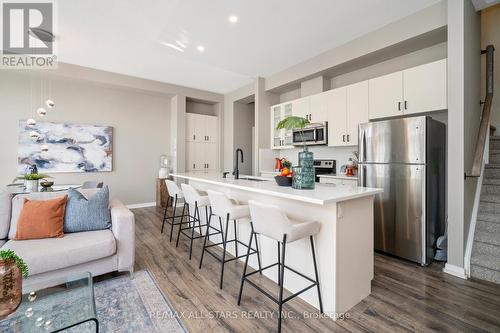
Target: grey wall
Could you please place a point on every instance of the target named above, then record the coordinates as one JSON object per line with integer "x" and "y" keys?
{"x": 490, "y": 34}
{"x": 141, "y": 129}
{"x": 243, "y": 124}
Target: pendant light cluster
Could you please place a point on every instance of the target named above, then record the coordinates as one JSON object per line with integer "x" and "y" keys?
{"x": 41, "y": 112}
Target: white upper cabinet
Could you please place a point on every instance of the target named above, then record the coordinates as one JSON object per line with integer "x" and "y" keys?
{"x": 414, "y": 90}
{"x": 425, "y": 88}
{"x": 201, "y": 142}
{"x": 318, "y": 107}
{"x": 348, "y": 107}
{"x": 386, "y": 96}
{"x": 336, "y": 103}
{"x": 357, "y": 110}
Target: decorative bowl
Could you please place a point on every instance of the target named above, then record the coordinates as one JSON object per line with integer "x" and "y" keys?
{"x": 46, "y": 183}
{"x": 283, "y": 180}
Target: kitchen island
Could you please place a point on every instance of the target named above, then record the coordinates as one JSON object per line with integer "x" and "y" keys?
{"x": 344, "y": 245}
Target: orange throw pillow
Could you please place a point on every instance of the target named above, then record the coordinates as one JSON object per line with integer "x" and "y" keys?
{"x": 41, "y": 219}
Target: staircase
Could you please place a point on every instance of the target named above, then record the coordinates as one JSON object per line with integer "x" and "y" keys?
{"x": 485, "y": 259}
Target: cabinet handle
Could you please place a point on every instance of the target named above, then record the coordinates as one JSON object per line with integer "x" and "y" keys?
{"x": 207, "y": 165}
{"x": 343, "y": 138}
{"x": 399, "y": 106}
{"x": 208, "y": 137}
{"x": 194, "y": 137}
{"x": 406, "y": 105}
{"x": 194, "y": 167}
{"x": 347, "y": 137}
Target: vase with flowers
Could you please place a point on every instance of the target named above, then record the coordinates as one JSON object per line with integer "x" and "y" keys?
{"x": 12, "y": 270}
{"x": 304, "y": 177}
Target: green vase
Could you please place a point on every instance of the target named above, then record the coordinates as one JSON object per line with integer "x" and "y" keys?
{"x": 306, "y": 164}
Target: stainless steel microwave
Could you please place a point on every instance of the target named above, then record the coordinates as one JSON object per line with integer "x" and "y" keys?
{"x": 313, "y": 134}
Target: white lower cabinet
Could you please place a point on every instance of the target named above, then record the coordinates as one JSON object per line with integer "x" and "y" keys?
{"x": 201, "y": 156}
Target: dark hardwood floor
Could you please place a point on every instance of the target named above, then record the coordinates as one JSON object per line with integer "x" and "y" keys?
{"x": 405, "y": 297}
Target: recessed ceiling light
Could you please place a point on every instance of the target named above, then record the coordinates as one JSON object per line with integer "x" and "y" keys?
{"x": 233, "y": 18}
{"x": 200, "y": 48}
{"x": 172, "y": 46}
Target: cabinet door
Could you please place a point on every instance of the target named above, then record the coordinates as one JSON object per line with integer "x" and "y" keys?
{"x": 301, "y": 107}
{"x": 336, "y": 103}
{"x": 425, "y": 87}
{"x": 287, "y": 111}
{"x": 357, "y": 110}
{"x": 318, "y": 107}
{"x": 276, "y": 136}
{"x": 386, "y": 96}
{"x": 191, "y": 158}
{"x": 191, "y": 123}
{"x": 210, "y": 156}
{"x": 211, "y": 128}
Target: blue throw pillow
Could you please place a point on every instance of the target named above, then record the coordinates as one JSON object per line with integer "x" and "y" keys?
{"x": 84, "y": 214}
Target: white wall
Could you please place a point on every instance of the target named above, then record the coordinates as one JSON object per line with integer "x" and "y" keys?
{"x": 490, "y": 34}
{"x": 141, "y": 125}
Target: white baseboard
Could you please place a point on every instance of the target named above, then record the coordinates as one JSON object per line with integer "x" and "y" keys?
{"x": 142, "y": 205}
{"x": 455, "y": 271}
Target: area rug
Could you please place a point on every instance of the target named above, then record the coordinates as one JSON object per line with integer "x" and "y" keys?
{"x": 133, "y": 305}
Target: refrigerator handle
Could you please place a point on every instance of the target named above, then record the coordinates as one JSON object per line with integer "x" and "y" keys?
{"x": 362, "y": 176}
{"x": 362, "y": 151}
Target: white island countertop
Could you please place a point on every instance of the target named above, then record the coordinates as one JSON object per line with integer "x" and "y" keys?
{"x": 322, "y": 194}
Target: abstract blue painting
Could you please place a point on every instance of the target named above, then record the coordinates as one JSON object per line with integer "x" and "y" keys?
{"x": 62, "y": 147}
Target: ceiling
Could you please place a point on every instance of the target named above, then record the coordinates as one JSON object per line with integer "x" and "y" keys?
{"x": 128, "y": 37}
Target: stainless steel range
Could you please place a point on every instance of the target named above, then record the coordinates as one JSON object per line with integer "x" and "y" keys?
{"x": 324, "y": 167}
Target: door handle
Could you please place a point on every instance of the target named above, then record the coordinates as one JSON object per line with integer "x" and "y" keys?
{"x": 347, "y": 137}
{"x": 399, "y": 106}
{"x": 343, "y": 138}
{"x": 406, "y": 105}
{"x": 194, "y": 166}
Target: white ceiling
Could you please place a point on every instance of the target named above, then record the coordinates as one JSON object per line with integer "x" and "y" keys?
{"x": 125, "y": 36}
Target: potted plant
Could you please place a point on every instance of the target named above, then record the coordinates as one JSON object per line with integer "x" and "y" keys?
{"x": 12, "y": 270}
{"x": 303, "y": 176}
{"x": 31, "y": 181}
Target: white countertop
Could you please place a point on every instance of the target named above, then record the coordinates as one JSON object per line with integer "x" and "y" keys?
{"x": 322, "y": 194}
{"x": 337, "y": 176}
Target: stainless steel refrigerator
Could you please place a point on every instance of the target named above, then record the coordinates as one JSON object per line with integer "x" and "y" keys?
{"x": 407, "y": 158}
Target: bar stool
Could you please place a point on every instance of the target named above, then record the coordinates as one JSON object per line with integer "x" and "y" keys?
{"x": 193, "y": 198}
{"x": 174, "y": 194}
{"x": 222, "y": 206}
{"x": 272, "y": 222}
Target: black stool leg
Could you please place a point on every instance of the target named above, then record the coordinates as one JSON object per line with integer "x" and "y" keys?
{"x": 206, "y": 237}
{"x": 173, "y": 219}
{"x": 199, "y": 220}
{"x": 316, "y": 274}
{"x": 282, "y": 283}
{"x": 279, "y": 264}
{"x": 165, "y": 215}
{"x": 246, "y": 264}
{"x": 206, "y": 217}
{"x": 224, "y": 245}
{"x": 182, "y": 221}
{"x": 235, "y": 238}
{"x": 258, "y": 252}
{"x": 192, "y": 229}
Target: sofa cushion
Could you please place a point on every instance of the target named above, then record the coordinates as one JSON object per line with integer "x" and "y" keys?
{"x": 84, "y": 214}
{"x": 49, "y": 254}
{"x": 41, "y": 219}
{"x": 18, "y": 201}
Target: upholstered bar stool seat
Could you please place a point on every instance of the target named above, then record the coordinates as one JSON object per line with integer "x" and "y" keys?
{"x": 195, "y": 199}
{"x": 223, "y": 207}
{"x": 272, "y": 222}
{"x": 174, "y": 194}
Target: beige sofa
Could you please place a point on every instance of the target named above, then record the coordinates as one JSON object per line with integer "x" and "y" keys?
{"x": 52, "y": 260}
